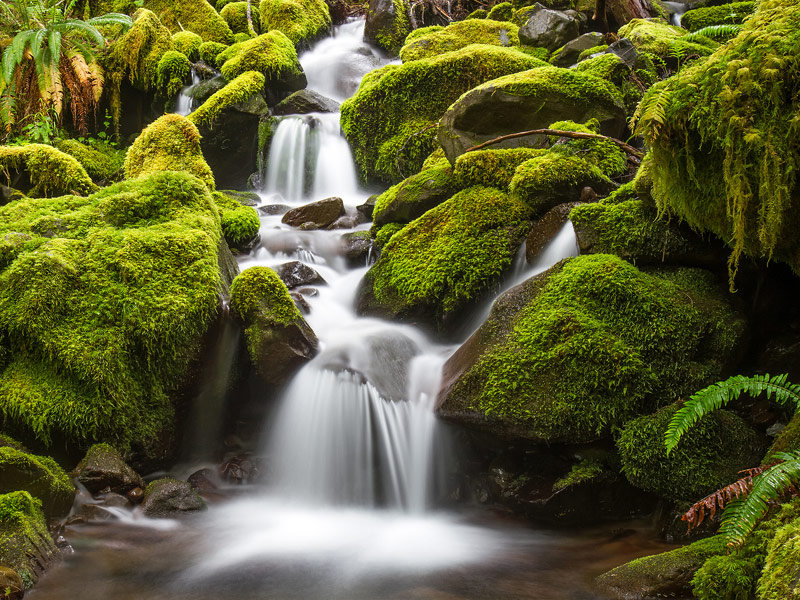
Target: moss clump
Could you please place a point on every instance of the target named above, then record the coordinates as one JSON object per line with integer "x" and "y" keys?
{"x": 733, "y": 13}
{"x": 781, "y": 573}
{"x": 391, "y": 117}
{"x": 102, "y": 162}
{"x": 25, "y": 544}
{"x": 432, "y": 41}
{"x": 170, "y": 143}
{"x": 494, "y": 168}
{"x": 240, "y": 223}
{"x": 240, "y": 89}
{"x": 49, "y": 171}
{"x": 271, "y": 54}
{"x": 449, "y": 256}
{"x": 188, "y": 43}
{"x": 235, "y": 15}
{"x": 391, "y": 36}
{"x": 299, "y": 20}
{"x": 585, "y": 471}
{"x": 209, "y": 51}
{"x": 258, "y": 292}
{"x": 172, "y": 72}
{"x": 103, "y": 303}
{"x": 656, "y": 37}
{"x": 716, "y": 449}
{"x": 596, "y": 342}
{"x": 731, "y": 168}
{"x": 39, "y": 475}
{"x": 480, "y": 13}
{"x": 604, "y": 154}
{"x": 195, "y": 15}
{"x": 502, "y": 12}
{"x": 610, "y": 67}
{"x": 386, "y": 233}
{"x": 594, "y": 50}
{"x": 411, "y": 198}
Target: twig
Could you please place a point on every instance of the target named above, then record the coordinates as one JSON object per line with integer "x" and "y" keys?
{"x": 581, "y": 135}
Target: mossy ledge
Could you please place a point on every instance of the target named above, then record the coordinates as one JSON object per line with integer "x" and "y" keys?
{"x": 41, "y": 170}
{"x": 240, "y": 89}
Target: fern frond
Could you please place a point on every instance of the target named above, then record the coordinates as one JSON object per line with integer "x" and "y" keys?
{"x": 718, "y": 500}
{"x": 741, "y": 516}
{"x": 651, "y": 113}
{"x": 715, "y": 32}
{"x": 112, "y": 19}
{"x": 720, "y": 394}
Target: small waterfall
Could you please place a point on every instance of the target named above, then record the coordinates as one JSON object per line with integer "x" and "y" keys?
{"x": 288, "y": 161}
{"x": 183, "y": 104}
{"x": 676, "y": 10}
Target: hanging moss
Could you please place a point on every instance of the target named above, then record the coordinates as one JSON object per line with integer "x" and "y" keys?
{"x": 25, "y": 543}
{"x": 240, "y": 223}
{"x": 235, "y": 15}
{"x": 188, "y": 43}
{"x": 300, "y": 20}
{"x": 240, "y": 89}
{"x": 271, "y": 54}
{"x": 50, "y": 171}
{"x": 428, "y": 42}
{"x": 195, "y": 15}
{"x": 172, "y": 72}
{"x": 733, "y": 13}
{"x": 170, "y": 143}
{"x": 209, "y": 51}
{"x": 102, "y": 161}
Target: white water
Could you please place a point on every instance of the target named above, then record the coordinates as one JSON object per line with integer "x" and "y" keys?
{"x": 676, "y": 11}
{"x": 183, "y": 104}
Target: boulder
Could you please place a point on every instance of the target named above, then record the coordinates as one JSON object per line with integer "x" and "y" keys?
{"x": 25, "y": 543}
{"x": 531, "y": 99}
{"x": 387, "y": 24}
{"x": 303, "y": 102}
{"x": 295, "y": 274}
{"x": 569, "y": 52}
{"x": 432, "y": 41}
{"x": 167, "y": 498}
{"x": 626, "y": 52}
{"x": 356, "y": 248}
{"x": 11, "y": 586}
{"x": 551, "y": 29}
{"x": 103, "y": 468}
{"x": 317, "y": 215}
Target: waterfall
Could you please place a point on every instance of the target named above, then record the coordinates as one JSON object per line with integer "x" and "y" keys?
{"x": 183, "y": 104}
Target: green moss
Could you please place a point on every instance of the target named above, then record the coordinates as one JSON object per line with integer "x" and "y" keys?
{"x": 733, "y": 13}
{"x": 781, "y": 573}
{"x": 391, "y": 117}
{"x": 656, "y": 37}
{"x": 719, "y": 446}
{"x": 787, "y": 440}
{"x": 731, "y": 167}
{"x": 102, "y": 162}
{"x": 502, "y": 12}
{"x": 195, "y": 15}
{"x": 39, "y": 475}
{"x": 172, "y": 72}
{"x": 271, "y": 54}
{"x": 301, "y": 21}
{"x": 238, "y": 90}
{"x": 582, "y": 472}
{"x": 170, "y": 143}
{"x": 235, "y": 15}
{"x": 480, "y": 13}
{"x": 432, "y": 41}
{"x": 392, "y": 37}
{"x": 239, "y": 223}
{"x": 258, "y": 293}
{"x": 494, "y": 168}
{"x": 385, "y": 233}
{"x": 596, "y": 342}
{"x": 594, "y": 50}
{"x": 188, "y": 43}
{"x": 411, "y": 198}
{"x": 23, "y": 535}
{"x": 50, "y": 171}
{"x": 451, "y": 255}
{"x": 209, "y": 51}
{"x": 604, "y": 154}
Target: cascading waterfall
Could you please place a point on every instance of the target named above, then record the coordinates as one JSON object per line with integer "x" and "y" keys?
{"x": 183, "y": 104}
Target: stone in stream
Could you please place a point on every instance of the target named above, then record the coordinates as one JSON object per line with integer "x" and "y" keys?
{"x": 316, "y": 215}
{"x": 549, "y": 29}
{"x": 356, "y": 245}
{"x": 273, "y": 209}
{"x": 295, "y": 274}
{"x": 305, "y": 101}
{"x": 103, "y": 467}
{"x": 387, "y": 24}
{"x": 167, "y": 497}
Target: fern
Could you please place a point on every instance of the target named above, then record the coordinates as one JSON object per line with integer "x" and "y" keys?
{"x": 714, "y": 32}
{"x": 720, "y": 394}
{"x": 651, "y": 113}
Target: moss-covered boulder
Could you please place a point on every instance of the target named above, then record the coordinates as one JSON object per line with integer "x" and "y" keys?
{"x": 188, "y": 43}
{"x": 170, "y": 498}
{"x": 195, "y": 15}
{"x": 101, "y": 160}
{"x": 279, "y": 340}
{"x": 39, "y": 170}
{"x": 171, "y": 143}
{"x": 271, "y": 54}
{"x": 780, "y": 578}
{"x": 240, "y": 223}
{"x": 235, "y": 15}
{"x": 441, "y": 263}
{"x": 390, "y": 121}
{"x": 103, "y": 305}
{"x": 579, "y": 350}
{"x": 529, "y": 100}
{"x": 172, "y": 73}
{"x": 491, "y": 167}
{"x": 39, "y": 475}
{"x": 428, "y": 42}
{"x": 208, "y": 52}
{"x": 733, "y": 13}
{"x": 104, "y": 468}
{"x": 665, "y": 41}
{"x": 731, "y": 168}
{"x": 302, "y": 21}
{"x": 25, "y": 543}
{"x": 387, "y": 24}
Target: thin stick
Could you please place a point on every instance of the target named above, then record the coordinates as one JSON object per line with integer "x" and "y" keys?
{"x": 570, "y": 134}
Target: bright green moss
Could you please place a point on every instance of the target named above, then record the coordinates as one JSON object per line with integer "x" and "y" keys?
{"x": 258, "y": 293}
{"x": 480, "y": 13}
{"x": 502, "y": 12}
{"x": 727, "y": 14}
{"x": 51, "y": 172}
{"x": 411, "y": 198}
{"x": 301, "y": 21}
{"x": 238, "y": 90}
{"x": 604, "y": 154}
{"x": 663, "y": 40}
{"x": 195, "y": 15}
{"x": 386, "y": 232}
{"x": 582, "y": 472}
{"x": 271, "y": 54}
{"x": 23, "y": 535}
{"x": 239, "y": 223}
{"x": 432, "y": 41}
{"x": 391, "y": 38}
{"x": 188, "y": 43}
{"x": 391, "y": 117}
{"x": 39, "y": 475}
{"x": 781, "y": 574}
{"x": 449, "y": 256}
{"x": 170, "y": 143}
{"x": 235, "y": 15}
{"x": 594, "y": 50}
{"x": 209, "y": 51}
{"x": 596, "y": 342}
{"x": 102, "y": 162}
{"x": 788, "y": 440}
{"x": 494, "y": 168}
{"x": 716, "y": 448}
{"x": 172, "y": 72}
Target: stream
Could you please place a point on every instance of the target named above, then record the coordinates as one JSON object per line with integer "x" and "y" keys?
{"x": 352, "y": 507}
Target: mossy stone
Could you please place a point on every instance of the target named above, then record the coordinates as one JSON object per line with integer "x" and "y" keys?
{"x": 272, "y": 54}
{"x": 188, "y": 43}
{"x": 240, "y": 224}
{"x": 235, "y": 15}
{"x": 101, "y": 160}
{"x": 657, "y": 37}
{"x": 732, "y": 13}
{"x": 103, "y": 467}
{"x": 239, "y": 90}
{"x": 25, "y": 543}
{"x": 428, "y": 42}
{"x": 50, "y": 172}
{"x": 41, "y": 476}
{"x": 195, "y": 15}
{"x": 169, "y": 498}
{"x": 413, "y": 197}
{"x": 302, "y": 21}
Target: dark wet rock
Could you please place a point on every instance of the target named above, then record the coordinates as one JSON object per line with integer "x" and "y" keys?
{"x": 300, "y": 302}
{"x": 305, "y": 101}
{"x": 545, "y": 229}
{"x": 135, "y": 495}
{"x": 346, "y": 222}
{"x": 295, "y": 274}
{"x": 203, "y": 481}
{"x": 168, "y": 497}
{"x": 368, "y": 207}
{"x": 316, "y": 215}
{"x": 626, "y": 51}
{"x": 384, "y": 26}
{"x": 273, "y": 209}
{"x": 11, "y": 586}
{"x": 549, "y": 29}
{"x": 569, "y": 53}
{"x": 357, "y": 245}
{"x": 103, "y": 467}
{"x": 228, "y": 267}
{"x": 98, "y": 511}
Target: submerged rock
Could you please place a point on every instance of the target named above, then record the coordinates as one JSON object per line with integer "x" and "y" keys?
{"x": 295, "y": 274}
{"x": 166, "y": 498}
{"x": 303, "y": 102}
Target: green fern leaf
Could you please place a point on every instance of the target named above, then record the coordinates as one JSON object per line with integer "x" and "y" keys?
{"x": 714, "y": 32}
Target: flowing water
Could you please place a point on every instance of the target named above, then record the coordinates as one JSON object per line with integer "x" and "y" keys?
{"x": 357, "y": 460}
{"x": 183, "y": 104}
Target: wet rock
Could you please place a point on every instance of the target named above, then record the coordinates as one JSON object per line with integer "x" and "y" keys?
{"x": 295, "y": 274}
{"x": 11, "y": 586}
{"x": 305, "y": 101}
{"x": 384, "y": 26}
{"x": 103, "y": 467}
{"x": 26, "y": 547}
{"x": 356, "y": 246}
{"x": 368, "y": 207}
{"x": 301, "y": 303}
{"x": 346, "y": 222}
{"x": 569, "y": 53}
{"x": 167, "y": 497}
{"x": 626, "y": 52}
{"x": 549, "y": 29}
{"x": 203, "y": 481}
{"x": 545, "y": 229}
{"x": 136, "y": 495}
{"x": 273, "y": 209}
{"x": 243, "y": 198}
{"x": 316, "y": 215}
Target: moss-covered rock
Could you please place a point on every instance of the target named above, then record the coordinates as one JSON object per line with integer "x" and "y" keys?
{"x": 25, "y": 544}
{"x": 172, "y": 72}
{"x": 271, "y": 54}
{"x": 209, "y": 51}
{"x": 529, "y": 100}
{"x": 40, "y": 170}
{"x": 604, "y": 154}
{"x": 302, "y": 21}
{"x": 188, "y": 43}
{"x": 278, "y": 339}
{"x": 240, "y": 224}
{"x": 579, "y": 350}
{"x": 428, "y": 42}
{"x": 780, "y": 578}
{"x": 732, "y": 13}
{"x": 103, "y": 467}
{"x": 102, "y": 161}
{"x": 239, "y": 90}
{"x": 39, "y": 475}
{"x": 501, "y": 12}
{"x": 235, "y": 15}
{"x": 656, "y": 37}
{"x": 103, "y": 304}
{"x": 195, "y": 15}
{"x": 448, "y": 258}
{"x": 385, "y": 233}
{"x": 389, "y": 120}
{"x": 490, "y": 167}
{"x": 731, "y": 168}
{"x": 170, "y": 498}
{"x": 171, "y": 143}
{"x": 387, "y": 24}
